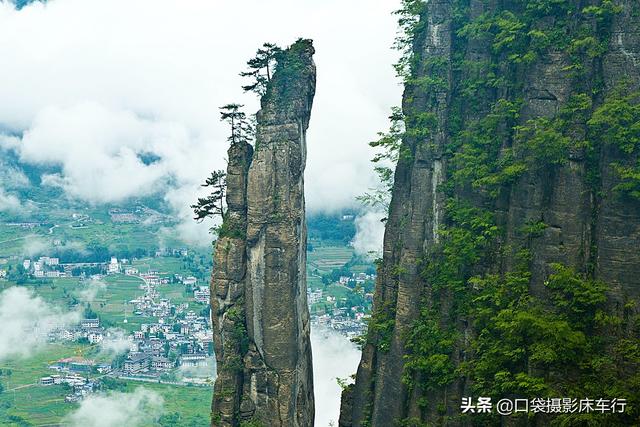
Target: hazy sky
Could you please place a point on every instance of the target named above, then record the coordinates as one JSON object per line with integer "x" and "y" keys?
{"x": 94, "y": 83}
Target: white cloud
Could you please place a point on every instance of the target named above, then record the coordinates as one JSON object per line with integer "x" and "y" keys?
{"x": 94, "y": 287}
{"x": 93, "y": 84}
{"x": 328, "y": 348}
{"x": 12, "y": 177}
{"x": 26, "y": 321}
{"x": 34, "y": 246}
{"x": 9, "y": 202}
{"x": 369, "y": 233}
{"x": 8, "y": 142}
{"x": 180, "y": 199}
{"x": 142, "y": 407}
{"x": 207, "y": 370}
{"x": 116, "y": 341}
{"x": 99, "y": 151}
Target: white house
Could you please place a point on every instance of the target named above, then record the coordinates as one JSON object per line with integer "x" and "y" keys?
{"x": 95, "y": 337}
{"x": 189, "y": 281}
{"x": 161, "y": 363}
{"x": 113, "y": 266}
{"x": 193, "y": 360}
{"x": 90, "y": 323}
{"x": 202, "y": 295}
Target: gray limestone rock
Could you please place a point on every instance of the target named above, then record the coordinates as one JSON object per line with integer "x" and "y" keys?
{"x": 588, "y": 230}
{"x": 259, "y": 300}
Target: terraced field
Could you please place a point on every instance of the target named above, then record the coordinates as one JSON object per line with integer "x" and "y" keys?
{"x": 327, "y": 258}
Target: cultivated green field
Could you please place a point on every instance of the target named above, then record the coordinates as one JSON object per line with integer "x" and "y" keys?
{"x": 25, "y": 403}
{"x": 327, "y": 258}
{"x": 24, "y": 399}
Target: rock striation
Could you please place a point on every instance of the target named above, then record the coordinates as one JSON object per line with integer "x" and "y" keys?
{"x": 529, "y": 208}
{"x": 258, "y": 285}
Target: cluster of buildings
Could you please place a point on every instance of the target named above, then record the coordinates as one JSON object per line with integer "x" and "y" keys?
{"x": 175, "y": 337}
{"x": 356, "y": 279}
{"x": 73, "y": 371}
{"x": 26, "y": 225}
{"x": 350, "y": 321}
{"x": 88, "y": 329}
{"x": 172, "y": 342}
{"x": 134, "y": 215}
{"x": 344, "y": 325}
{"x": 202, "y": 295}
{"x": 179, "y": 332}
{"x": 44, "y": 267}
{"x": 80, "y": 386}
{"x": 172, "y": 252}
{"x": 51, "y": 267}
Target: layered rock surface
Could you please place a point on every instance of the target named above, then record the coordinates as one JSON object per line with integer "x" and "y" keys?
{"x": 258, "y": 286}
{"x": 589, "y": 229}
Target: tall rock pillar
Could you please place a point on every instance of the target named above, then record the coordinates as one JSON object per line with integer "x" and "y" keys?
{"x": 261, "y": 326}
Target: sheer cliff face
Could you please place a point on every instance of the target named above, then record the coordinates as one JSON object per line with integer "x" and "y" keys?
{"x": 504, "y": 180}
{"x": 261, "y": 319}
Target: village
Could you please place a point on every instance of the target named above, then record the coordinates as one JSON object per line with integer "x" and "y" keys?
{"x": 346, "y": 315}
{"x": 174, "y": 347}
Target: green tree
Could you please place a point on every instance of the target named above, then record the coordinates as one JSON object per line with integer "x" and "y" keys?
{"x": 89, "y": 313}
{"x": 261, "y": 68}
{"x": 241, "y": 127}
{"x": 241, "y": 132}
{"x": 390, "y": 144}
{"x": 212, "y": 205}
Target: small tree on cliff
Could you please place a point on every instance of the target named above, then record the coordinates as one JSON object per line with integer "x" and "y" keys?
{"x": 261, "y": 68}
{"x": 241, "y": 132}
{"x": 212, "y": 205}
{"x": 241, "y": 128}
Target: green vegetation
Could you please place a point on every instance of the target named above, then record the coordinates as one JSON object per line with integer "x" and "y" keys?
{"x": 520, "y": 337}
{"x": 330, "y": 229}
{"x": 32, "y": 404}
{"x": 288, "y": 69}
{"x": 617, "y": 123}
{"x": 261, "y": 68}
{"x": 23, "y": 399}
{"x": 24, "y": 402}
{"x": 212, "y": 205}
{"x": 324, "y": 259}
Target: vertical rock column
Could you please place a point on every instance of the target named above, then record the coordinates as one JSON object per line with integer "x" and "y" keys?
{"x": 267, "y": 325}
{"x": 227, "y": 291}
